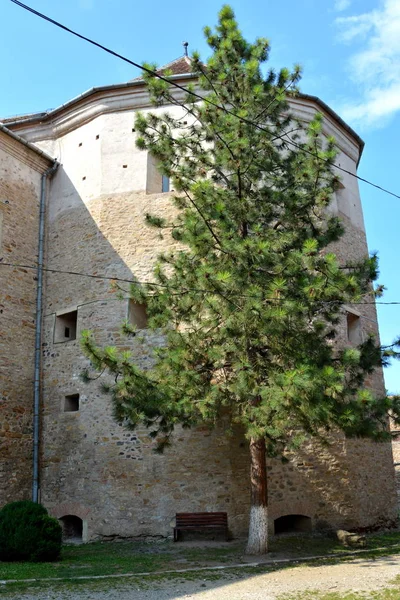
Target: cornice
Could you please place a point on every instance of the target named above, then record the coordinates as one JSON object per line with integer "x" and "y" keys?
{"x": 89, "y": 105}
{"x": 134, "y": 96}
{"x": 20, "y": 150}
{"x": 304, "y": 108}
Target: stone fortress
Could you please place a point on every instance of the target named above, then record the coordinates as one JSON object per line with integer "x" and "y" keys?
{"x": 101, "y": 480}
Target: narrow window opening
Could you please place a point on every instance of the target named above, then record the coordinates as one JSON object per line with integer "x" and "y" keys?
{"x": 137, "y": 314}
{"x": 80, "y": 144}
{"x": 354, "y": 334}
{"x": 165, "y": 184}
{"x": 72, "y": 527}
{"x": 292, "y": 524}
{"x": 83, "y": 178}
{"x": 65, "y": 326}
{"x": 155, "y": 181}
{"x": 342, "y": 199}
{"x": 97, "y": 137}
{"x": 124, "y": 166}
{"x": 71, "y": 403}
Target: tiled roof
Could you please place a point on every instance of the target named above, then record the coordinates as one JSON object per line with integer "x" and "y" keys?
{"x": 179, "y": 66}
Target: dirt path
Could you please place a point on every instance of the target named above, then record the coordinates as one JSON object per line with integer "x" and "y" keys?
{"x": 358, "y": 575}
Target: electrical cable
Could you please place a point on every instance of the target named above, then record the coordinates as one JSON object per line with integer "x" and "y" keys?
{"x": 192, "y": 93}
{"x": 183, "y": 291}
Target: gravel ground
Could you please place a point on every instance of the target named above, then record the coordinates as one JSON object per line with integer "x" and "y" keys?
{"x": 358, "y": 575}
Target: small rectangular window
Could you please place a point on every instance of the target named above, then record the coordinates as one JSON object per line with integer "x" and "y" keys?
{"x": 155, "y": 181}
{"x": 65, "y": 326}
{"x": 71, "y": 403}
{"x": 342, "y": 199}
{"x": 137, "y": 314}
{"x": 354, "y": 333}
{"x": 165, "y": 184}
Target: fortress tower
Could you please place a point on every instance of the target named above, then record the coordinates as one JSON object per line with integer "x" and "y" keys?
{"x": 100, "y": 479}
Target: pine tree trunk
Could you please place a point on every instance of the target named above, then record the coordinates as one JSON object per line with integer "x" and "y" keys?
{"x": 258, "y": 528}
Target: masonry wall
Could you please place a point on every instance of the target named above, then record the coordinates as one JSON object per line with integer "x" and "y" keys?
{"x": 350, "y": 483}
{"x": 20, "y": 173}
{"x": 395, "y": 431}
{"x": 108, "y": 476}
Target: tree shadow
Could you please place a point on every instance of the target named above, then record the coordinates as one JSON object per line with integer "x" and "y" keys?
{"x": 109, "y": 476}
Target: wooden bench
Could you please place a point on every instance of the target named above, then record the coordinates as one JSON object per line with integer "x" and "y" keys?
{"x": 204, "y": 521}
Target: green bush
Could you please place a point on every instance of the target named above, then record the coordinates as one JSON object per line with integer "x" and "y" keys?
{"x": 27, "y": 533}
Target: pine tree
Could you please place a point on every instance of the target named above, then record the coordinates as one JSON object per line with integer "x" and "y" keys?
{"x": 250, "y": 299}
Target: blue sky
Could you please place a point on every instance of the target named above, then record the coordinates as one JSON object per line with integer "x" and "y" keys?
{"x": 349, "y": 49}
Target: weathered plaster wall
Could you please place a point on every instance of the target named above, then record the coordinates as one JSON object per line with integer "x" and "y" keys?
{"x": 20, "y": 172}
{"x": 99, "y": 471}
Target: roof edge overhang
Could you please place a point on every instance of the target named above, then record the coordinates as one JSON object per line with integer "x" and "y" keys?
{"x": 43, "y": 117}
{"x": 48, "y": 160}
{"x": 50, "y": 114}
{"x": 338, "y": 120}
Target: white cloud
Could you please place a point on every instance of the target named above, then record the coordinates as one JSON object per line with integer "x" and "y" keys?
{"x": 375, "y": 109}
{"x": 375, "y": 66}
{"x": 342, "y": 5}
{"x": 353, "y": 27}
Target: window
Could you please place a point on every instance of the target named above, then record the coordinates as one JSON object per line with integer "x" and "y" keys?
{"x": 165, "y": 184}
{"x": 137, "y": 314}
{"x": 341, "y": 198}
{"x": 65, "y": 326}
{"x": 354, "y": 333}
{"x": 155, "y": 181}
{"x": 71, "y": 403}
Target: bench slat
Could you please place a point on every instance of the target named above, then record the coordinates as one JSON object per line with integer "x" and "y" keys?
{"x": 205, "y": 519}
{"x": 183, "y": 523}
{"x": 201, "y": 521}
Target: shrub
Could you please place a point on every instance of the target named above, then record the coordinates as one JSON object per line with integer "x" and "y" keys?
{"x": 28, "y": 533}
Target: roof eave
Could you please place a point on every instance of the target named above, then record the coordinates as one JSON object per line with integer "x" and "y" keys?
{"x": 31, "y": 147}
{"x": 338, "y": 119}
{"x": 95, "y": 90}
{"x": 42, "y": 117}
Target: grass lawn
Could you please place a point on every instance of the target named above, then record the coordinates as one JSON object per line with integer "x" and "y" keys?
{"x": 114, "y": 558}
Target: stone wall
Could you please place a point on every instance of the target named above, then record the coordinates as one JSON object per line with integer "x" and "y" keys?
{"x": 20, "y": 173}
{"x": 395, "y": 431}
{"x": 118, "y": 482}
{"x": 108, "y": 476}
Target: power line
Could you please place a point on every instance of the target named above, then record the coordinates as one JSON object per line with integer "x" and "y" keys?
{"x": 90, "y": 275}
{"x": 192, "y": 93}
{"x": 102, "y": 300}
{"x": 161, "y": 285}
